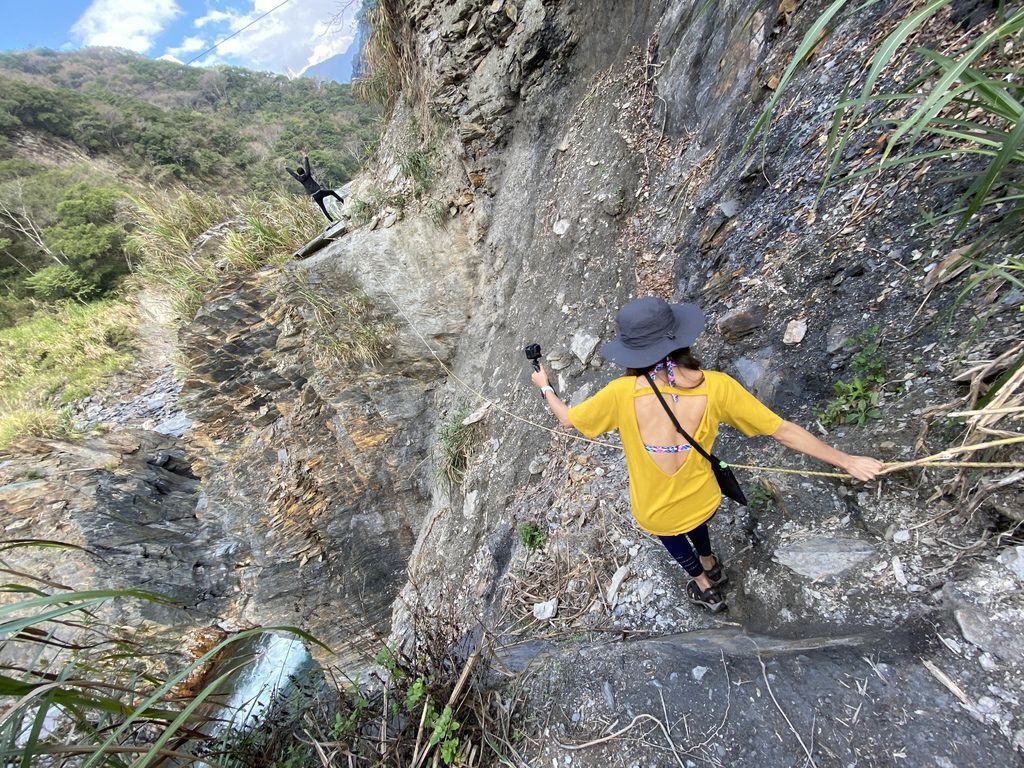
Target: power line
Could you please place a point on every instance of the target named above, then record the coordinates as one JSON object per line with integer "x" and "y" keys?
{"x": 237, "y": 32}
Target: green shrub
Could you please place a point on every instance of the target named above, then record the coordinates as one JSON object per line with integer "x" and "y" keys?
{"x": 59, "y": 281}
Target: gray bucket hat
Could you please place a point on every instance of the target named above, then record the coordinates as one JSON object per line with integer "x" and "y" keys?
{"x": 650, "y": 328}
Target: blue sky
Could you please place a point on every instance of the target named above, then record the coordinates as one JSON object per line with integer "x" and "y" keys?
{"x": 290, "y": 39}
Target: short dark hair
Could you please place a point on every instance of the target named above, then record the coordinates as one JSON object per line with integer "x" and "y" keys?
{"x": 681, "y": 356}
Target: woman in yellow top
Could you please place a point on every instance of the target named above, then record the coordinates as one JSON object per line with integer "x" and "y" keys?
{"x": 673, "y": 491}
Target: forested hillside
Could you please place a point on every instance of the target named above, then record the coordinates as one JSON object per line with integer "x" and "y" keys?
{"x": 82, "y": 131}
{"x": 110, "y": 165}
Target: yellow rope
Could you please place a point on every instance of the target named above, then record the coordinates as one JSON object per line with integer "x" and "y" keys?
{"x": 935, "y": 460}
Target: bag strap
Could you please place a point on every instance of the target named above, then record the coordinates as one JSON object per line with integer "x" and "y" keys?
{"x": 714, "y": 460}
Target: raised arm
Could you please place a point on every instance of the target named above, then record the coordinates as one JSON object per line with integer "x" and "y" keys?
{"x": 799, "y": 439}
{"x": 294, "y": 175}
{"x": 560, "y": 409}
{"x": 305, "y": 164}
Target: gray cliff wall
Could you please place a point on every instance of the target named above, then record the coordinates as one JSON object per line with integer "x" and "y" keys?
{"x": 604, "y": 142}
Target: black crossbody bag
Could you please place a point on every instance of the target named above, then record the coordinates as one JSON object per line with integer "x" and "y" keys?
{"x": 726, "y": 479}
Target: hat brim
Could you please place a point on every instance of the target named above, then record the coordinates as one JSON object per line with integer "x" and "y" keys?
{"x": 689, "y": 325}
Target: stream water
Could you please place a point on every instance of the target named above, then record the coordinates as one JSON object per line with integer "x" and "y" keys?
{"x": 274, "y": 662}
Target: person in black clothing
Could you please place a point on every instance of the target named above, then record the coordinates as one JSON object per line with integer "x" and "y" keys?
{"x": 305, "y": 177}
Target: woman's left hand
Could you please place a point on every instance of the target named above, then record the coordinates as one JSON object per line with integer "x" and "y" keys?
{"x": 863, "y": 467}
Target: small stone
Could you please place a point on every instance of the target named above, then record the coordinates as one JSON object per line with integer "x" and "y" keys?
{"x": 897, "y": 572}
{"x": 538, "y": 463}
{"x": 559, "y": 361}
{"x": 476, "y": 415}
{"x": 988, "y": 662}
{"x": 609, "y": 694}
{"x": 583, "y": 345}
{"x": 1013, "y": 558}
{"x": 999, "y": 636}
{"x": 644, "y": 590}
{"x": 698, "y": 673}
{"x": 795, "y": 332}
{"x": 561, "y": 227}
{"x": 729, "y": 208}
{"x": 901, "y": 536}
{"x": 741, "y": 322}
{"x": 545, "y": 610}
{"x": 176, "y": 426}
{"x": 613, "y": 588}
{"x": 835, "y": 339}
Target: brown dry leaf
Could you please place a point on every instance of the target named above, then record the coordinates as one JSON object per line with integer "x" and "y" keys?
{"x": 772, "y": 82}
{"x": 951, "y": 266}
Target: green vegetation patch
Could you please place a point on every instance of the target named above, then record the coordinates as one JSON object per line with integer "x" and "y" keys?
{"x": 454, "y": 444}
{"x": 532, "y": 536}
{"x": 57, "y": 356}
{"x": 858, "y": 399}
{"x": 349, "y": 327}
{"x": 258, "y": 233}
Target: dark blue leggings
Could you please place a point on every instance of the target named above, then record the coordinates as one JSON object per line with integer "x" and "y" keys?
{"x": 682, "y": 546}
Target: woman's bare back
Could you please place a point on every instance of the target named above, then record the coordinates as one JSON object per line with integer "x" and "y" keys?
{"x": 655, "y": 426}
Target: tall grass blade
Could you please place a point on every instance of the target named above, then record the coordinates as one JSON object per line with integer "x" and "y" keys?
{"x": 943, "y": 91}
{"x": 809, "y": 42}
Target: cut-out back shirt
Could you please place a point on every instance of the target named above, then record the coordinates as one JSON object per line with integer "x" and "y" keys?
{"x": 669, "y": 504}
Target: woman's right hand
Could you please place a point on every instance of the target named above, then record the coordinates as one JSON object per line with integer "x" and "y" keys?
{"x": 540, "y": 378}
{"x": 863, "y": 467}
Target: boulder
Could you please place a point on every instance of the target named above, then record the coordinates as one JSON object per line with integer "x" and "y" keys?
{"x": 818, "y": 557}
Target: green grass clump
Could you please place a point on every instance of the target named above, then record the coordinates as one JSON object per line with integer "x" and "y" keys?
{"x": 266, "y": 231}
{"x": 57, "y": 356}
{"x": 857, "y": 400}
{"x": 759, "y": 498}
{"x": 532, "y": 536}
{"x": 454, "y": 442}
{"x": 349, "y": 326}
{"x": 420, "y": 165}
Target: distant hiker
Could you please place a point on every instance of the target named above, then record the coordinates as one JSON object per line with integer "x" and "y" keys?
{"x": 674, "y": 493}
{"x": 305, "y": 177}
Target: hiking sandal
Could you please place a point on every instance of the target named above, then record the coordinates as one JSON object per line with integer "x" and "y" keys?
{"x": 706, "y": 598}
{"x": 717, "y": 575}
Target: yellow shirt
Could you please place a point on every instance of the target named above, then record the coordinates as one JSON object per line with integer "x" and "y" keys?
{"x": 664, "y": 504}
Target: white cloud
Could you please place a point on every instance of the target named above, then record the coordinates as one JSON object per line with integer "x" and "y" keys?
{"x": 124, "y": 23}
{"x": 188, "y": 45}
{"x": 215, "y": 17}
{"x": 288, "y": 41}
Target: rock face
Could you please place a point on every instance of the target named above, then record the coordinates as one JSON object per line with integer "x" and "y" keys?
{"x": 311, "y": 423}
{"x": 129, "y": 505}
